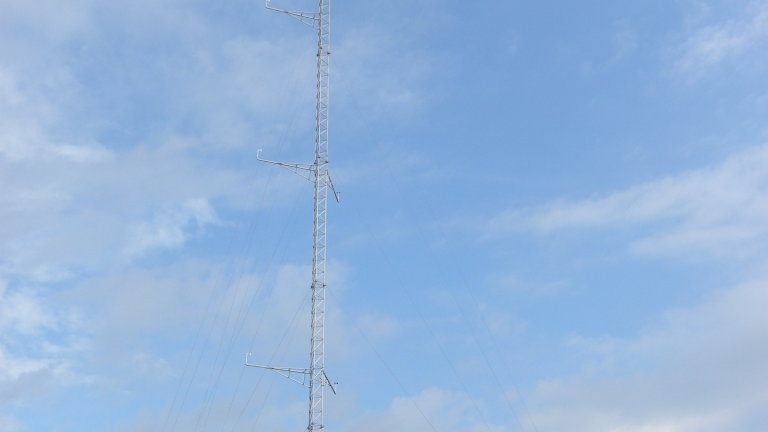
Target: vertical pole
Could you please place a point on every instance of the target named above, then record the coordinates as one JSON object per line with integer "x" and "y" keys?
{"x": 317, "y": 350}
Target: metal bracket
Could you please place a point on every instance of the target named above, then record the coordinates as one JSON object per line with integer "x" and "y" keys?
{"x": 284, "y": 371}
{"x": 297, "y": 169}
{"x": 291, "y": 372}
{"x": 330, "y": 384}
{"x": 309, "y": 18}
{"x": 336, "y": 195}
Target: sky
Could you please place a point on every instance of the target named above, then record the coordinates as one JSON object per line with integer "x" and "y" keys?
{"x": 553, "y": 216}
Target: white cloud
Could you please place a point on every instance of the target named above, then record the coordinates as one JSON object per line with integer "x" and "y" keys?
{"x": 37, "y": 345}
{"x": 22, "y": 312}
{"x": 171, "y": 228}
{"x": 49, "y": 20}
{"x": 60, "y": 218}
{"x": 624, "y": 40}
{"x": 93, "y": 160}
{"x": 234, "y": 310}
{"x": 379, "y": 326}
{"x": 9, "y": 424}
{"x": 15, "y": 367}
{"x": 430, "y": 409}
{"x": 712, "y": 211}
{"x": 29, "y": 115}
{"x": 700, "y": 368}
{"x": 714, "y": 44}
{"x": 374, "y": 84}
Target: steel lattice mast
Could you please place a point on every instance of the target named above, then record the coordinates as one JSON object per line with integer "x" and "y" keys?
{"x": 321, "y": 181}
{"x": 315, "y": 377}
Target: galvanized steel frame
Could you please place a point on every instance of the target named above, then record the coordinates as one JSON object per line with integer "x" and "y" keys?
{"x": 315, "y": 376}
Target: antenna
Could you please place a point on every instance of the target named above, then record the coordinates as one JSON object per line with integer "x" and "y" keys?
{"x": 314, "y": 377}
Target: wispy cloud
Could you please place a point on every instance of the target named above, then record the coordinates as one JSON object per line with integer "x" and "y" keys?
{"x": 717, "y": 210}
{"x": 172, "y": 227}
{"x": 431, "y": 409}
{"x": 37, "y": 347}
{"x": 699, "y": 368}
{"x": 714, "y": 44}
{"x": 381, "y": 85}
{"x": 9, "y": 424}
{"x": 16, "y": 367}
{"x": 21, "y": 311}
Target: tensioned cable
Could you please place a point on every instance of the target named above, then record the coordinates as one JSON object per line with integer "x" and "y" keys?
{"x": 391, "y": 373}
{"x": 289, "y": 329}
{"x": 253, "y": 299}
{"x": 240, "y": 320}
{"x": 208, "y": 322}
{"x": 490, "y": 365}
{"x": 234, "y": 283}
{"x": 214, "y": 318}
{"x": 433, "y": 334}
{"x": 497, "y": 381}
{"x": 211, "y": 322}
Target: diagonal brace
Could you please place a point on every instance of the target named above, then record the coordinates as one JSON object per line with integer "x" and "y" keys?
{"x": 284, "y": 371}
{"x": 296, "y": 168}
{"x": 289, "y": 373}
{"x": 309, "y": 18}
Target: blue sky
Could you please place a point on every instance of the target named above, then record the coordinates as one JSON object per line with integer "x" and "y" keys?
{"x": 553, "y": 216}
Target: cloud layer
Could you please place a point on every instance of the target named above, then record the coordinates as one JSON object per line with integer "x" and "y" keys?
{"x": 699, "y": 369}
{"x": 720, "y": 210}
